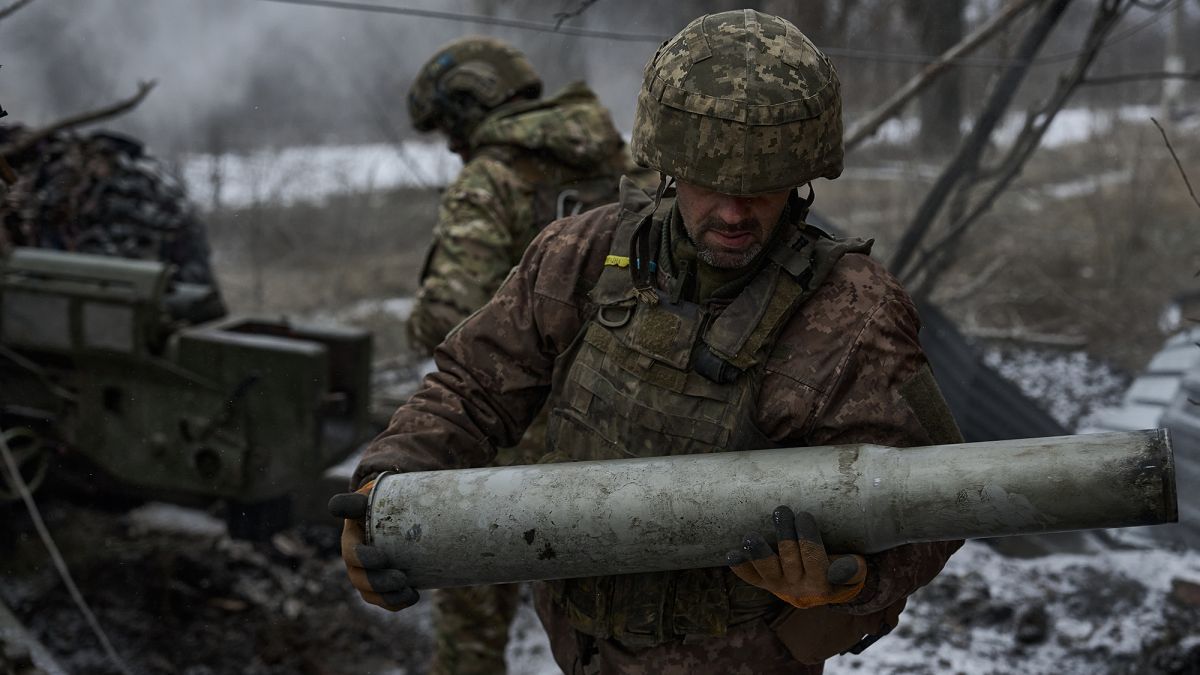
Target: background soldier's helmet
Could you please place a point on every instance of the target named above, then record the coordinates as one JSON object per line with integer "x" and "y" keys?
{"x": 741, "y": 103}
{"x": 464, "y": 80}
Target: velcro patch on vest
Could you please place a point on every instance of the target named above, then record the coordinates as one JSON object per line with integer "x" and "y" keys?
{"x": 696, "y": 419}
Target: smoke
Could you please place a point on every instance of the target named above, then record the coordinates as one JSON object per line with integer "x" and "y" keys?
{"x": 240, "y": 74}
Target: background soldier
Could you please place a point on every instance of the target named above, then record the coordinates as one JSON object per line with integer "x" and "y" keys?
{"x": 527, "y": 161}
{"x": 709, "y": 320}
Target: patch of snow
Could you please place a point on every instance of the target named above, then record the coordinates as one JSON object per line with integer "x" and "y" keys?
{"x": 896, "y": 131}
{"x": 1072, "y": 125}
{"x": 396, "y": 308}
{"x": 1101, "y": 609}
{"x": 15, "y": 639}
{"x": 528, "y": 649}
{"x": 1087, "y": 185}
{"x": 173, "y": 519}
{"x": 894, "y": 171}
{"x": 311, "y": 174}
{"x": 1068, "y": 385}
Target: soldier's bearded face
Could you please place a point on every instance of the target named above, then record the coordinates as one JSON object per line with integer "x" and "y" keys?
{"x": 728, "y": 230}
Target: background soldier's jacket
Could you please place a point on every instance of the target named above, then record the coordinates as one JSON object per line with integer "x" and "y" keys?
{"x": 522, "y": 157}
{"x": 835, "y": 376}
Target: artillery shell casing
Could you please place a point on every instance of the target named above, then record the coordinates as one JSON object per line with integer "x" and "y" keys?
{"x": 552, "y": 521}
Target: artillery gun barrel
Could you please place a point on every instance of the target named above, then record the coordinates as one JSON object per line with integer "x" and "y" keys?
{"x": 550, "y": 521}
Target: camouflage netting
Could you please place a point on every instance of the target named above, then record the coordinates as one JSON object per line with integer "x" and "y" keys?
{"x": 100, "y": 193}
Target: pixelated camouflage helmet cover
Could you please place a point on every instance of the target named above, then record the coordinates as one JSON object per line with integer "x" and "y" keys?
{"x": 740, "y": 102}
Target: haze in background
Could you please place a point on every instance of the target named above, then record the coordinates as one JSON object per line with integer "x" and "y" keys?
{"x": 240, "y": 75}
{"x": 246, "y": 73}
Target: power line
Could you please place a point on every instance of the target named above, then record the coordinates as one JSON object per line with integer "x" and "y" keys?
{"x": 477, "y": 18}
{"x": 844, "y": 52}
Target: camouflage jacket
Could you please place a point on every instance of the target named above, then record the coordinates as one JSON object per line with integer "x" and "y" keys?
{"x": 834, "y": 376}
{"x": 520, "y": 156}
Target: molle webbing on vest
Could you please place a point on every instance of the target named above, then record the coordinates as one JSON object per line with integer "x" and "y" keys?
{"x": 643, "y": 610}
{"x": 557, "y": 189}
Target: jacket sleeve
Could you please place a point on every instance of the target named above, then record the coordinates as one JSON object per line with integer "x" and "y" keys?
{"x": 867, "y": 404}
{"x": 495, "y": 369}
{"x": 481, "y": 217}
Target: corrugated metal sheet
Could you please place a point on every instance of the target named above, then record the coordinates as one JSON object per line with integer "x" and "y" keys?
{"x": 1150, "y": 395}
{"x": 986, "y": 405}
{"x": 1153, "y": 389}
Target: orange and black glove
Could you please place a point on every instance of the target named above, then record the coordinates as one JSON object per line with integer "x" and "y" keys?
{"x": 368, "y": 567}
{"x": 801, "y": 573}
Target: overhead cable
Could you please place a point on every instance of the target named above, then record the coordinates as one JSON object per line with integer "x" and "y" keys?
{"x": 574, "y": 31}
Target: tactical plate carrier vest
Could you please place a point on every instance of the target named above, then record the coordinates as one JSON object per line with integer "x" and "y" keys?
{"x": 560, "y": 190}
{"x": 651, "y": 379}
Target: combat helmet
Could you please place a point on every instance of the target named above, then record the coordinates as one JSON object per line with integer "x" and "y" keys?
{"x": 466, "y": 79}
{"x": 740, "y": 102}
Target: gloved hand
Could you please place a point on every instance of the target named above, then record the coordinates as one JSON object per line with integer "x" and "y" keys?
{"x": 367, "y": 566}
{"x": 801, "y": 573}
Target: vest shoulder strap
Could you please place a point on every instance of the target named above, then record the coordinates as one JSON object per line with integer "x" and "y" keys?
{"x": 744, "y": 333}
{"x": 615, "y": 285}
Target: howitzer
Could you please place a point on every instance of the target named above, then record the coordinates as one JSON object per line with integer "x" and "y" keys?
{"x": 105, "y": 358}
{"x": 474, "y": 526}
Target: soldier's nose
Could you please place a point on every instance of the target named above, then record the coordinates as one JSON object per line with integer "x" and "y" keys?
{"x": 733, "y": 210}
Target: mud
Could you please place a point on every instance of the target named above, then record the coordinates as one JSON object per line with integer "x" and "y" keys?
{"x": 200, "y": 604}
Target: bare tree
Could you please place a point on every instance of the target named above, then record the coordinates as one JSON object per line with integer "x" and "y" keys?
{"x": 866, "y": 126}
{"x": 939, "y": 26}
{"x": 966, "y": 162}
{"x": 9, "y": 10}
{"x": 1001, "y": 174}
{"x": 79, "y": 119}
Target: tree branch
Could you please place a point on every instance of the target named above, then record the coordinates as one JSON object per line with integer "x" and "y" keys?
{"x": 118, "y": 108}
{"x": 1037, "y": 121}
{"x": 973, "y": 146}
{"x": 864, "y": 129}
{"x": 14, "y": 7}
{"x": 1138, "y": 77}
{"x": 563, "y": 16}
{"x": 1174, "y": 156}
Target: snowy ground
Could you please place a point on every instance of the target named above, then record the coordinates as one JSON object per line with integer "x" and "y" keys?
{"x": 314, "y": 173}
{"x": 1121, "y": 611}
{"x": 1114, "y": 612}
{"x": 1067, "y": 384}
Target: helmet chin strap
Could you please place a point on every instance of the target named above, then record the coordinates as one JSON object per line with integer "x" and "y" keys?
{"x": 803, "y": 204}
